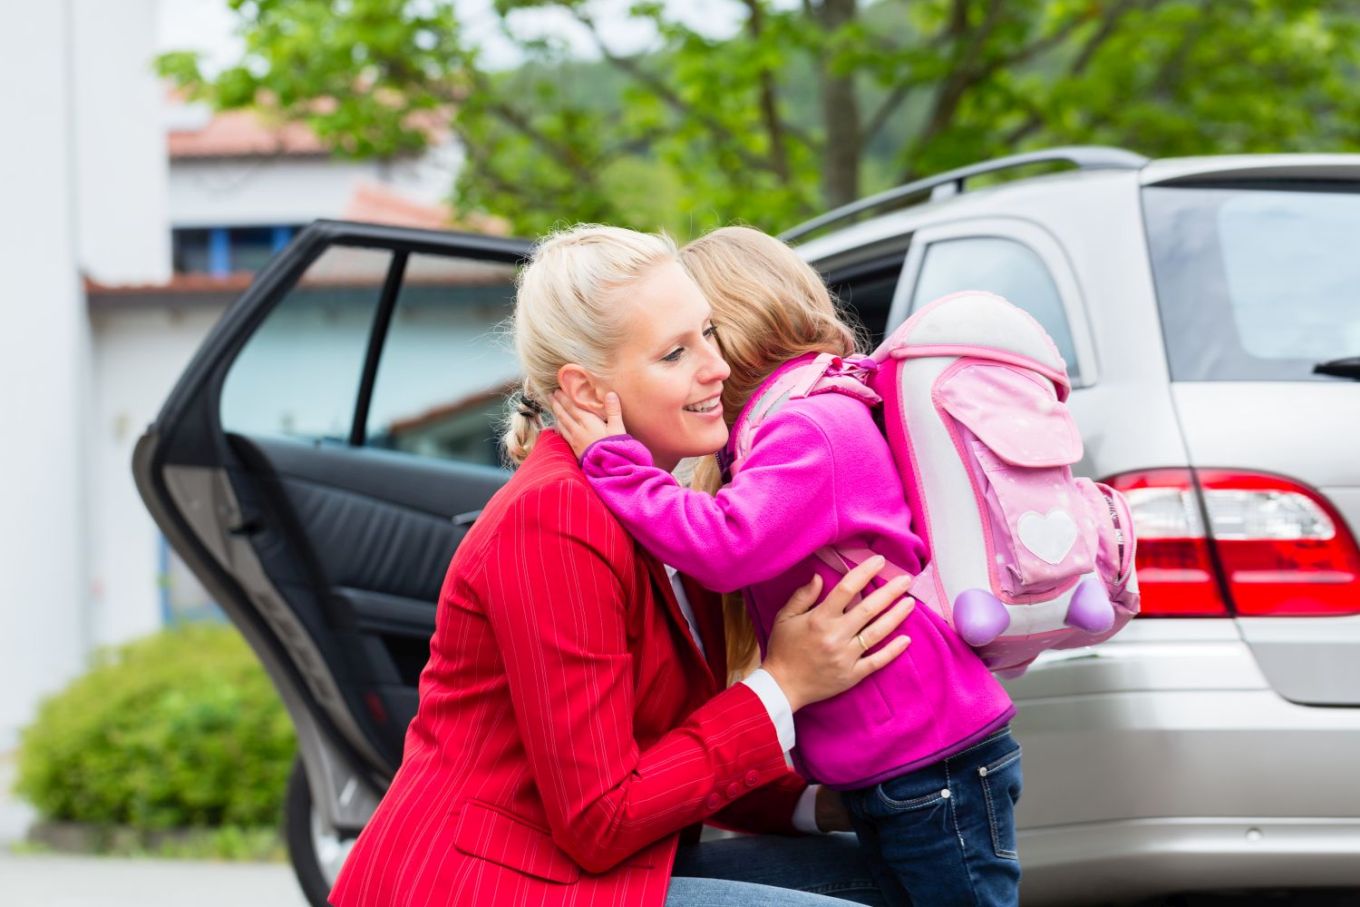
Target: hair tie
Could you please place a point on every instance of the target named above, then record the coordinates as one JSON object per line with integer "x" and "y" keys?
{"x": 529, "y": 408}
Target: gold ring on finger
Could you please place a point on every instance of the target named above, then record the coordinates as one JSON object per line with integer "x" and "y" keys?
{"x": 859, "y": 638}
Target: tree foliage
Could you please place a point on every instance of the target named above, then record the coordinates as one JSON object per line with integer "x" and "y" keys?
{"x": 806, "y": 104}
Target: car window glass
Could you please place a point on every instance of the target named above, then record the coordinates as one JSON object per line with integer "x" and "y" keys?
{"x": 1292, "y": 273}
{"x": 1004, "y": 267}
{"x": 865, "y": 292}
{"x": 447, "y": 364}
{"x": 298, "y": 375}
{"x": 1255, "y": 283}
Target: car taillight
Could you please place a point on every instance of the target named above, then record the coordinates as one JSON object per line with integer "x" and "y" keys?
{"x": 1176, "y": 573}
{"x": 1279, "y": 546}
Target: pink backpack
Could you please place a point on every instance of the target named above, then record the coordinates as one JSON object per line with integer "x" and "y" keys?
{"x": 1024, "y": 557}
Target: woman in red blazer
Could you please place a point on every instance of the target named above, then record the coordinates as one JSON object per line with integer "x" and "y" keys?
{"x": 573, "y": 724}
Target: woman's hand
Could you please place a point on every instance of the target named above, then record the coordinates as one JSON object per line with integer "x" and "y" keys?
{"x": 815, "y": 653}
{"x": 581, "y": 427}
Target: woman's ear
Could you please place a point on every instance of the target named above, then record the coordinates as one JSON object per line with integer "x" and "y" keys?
{"x": 582, "y": 388}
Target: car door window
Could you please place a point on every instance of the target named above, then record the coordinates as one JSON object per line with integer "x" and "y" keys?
{"x": 443, "y": 366}
{"x": 298, "y": 375}
{"x": 865, "y": 291}
{"x": 1002, "y": 266}
{"x": 447, "y": 364}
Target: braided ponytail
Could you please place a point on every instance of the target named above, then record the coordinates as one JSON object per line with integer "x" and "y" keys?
{"x": 524, "y": 421}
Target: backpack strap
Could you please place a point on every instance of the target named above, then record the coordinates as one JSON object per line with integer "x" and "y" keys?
{"x": 824, "y": 374}
{"x": 844, "y": 558}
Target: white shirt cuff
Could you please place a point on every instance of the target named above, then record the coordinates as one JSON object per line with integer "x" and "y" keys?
{"x": 805, "y": 813}
{"x": 763, "y": 684}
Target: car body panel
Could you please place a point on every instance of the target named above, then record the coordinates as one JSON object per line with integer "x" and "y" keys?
{"x": 1251, "y": 167}
{"x": 1306, "y": 431}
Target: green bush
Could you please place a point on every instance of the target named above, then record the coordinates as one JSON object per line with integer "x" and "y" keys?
{"x": 180, "y": 729}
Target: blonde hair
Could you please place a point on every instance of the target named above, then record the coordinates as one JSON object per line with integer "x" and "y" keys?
{"x": 566, "y": 310}
{"x": 770, "y": 306}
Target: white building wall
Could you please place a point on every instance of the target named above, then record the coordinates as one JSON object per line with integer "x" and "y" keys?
{"x": 90, "y": 192}
{"x": 119, "y": 144}
{"x": 223, "y": 193}
{"x": 43, "y": 351}
{"x": 84, "y": 194}
{"x": 139, "y": 352}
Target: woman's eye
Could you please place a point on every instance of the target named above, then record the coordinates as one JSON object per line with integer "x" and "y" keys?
{"x": 673, "y": 355}
{"x": 711, "y": 331}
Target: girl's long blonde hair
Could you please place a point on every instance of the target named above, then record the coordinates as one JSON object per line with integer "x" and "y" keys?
{"x": 769, "y": 306}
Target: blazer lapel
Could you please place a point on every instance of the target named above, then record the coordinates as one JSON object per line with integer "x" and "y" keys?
{"x": 708, "y": 616}
{"x": 666, "y": 592}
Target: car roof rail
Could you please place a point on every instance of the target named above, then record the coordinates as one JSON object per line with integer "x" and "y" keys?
{"x": 951, "y": 182}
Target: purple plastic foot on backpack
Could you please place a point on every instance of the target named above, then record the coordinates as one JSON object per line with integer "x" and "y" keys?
{"x": 979, "y": 616}
{"x": 1090, "y": 608}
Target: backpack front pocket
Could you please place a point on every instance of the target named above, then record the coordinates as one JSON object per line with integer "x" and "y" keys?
{"x": 1018, "y": 441}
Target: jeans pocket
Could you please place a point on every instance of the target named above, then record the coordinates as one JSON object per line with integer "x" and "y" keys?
{"x": 1002, "y": 782}
{"x": 895, "y": 800}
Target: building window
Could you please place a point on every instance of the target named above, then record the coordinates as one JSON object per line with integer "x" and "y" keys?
{"x": 220, "y": 251}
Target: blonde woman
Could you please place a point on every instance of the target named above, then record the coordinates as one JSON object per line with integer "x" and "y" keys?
{"x": 574, "y": 726}
{"x": 921, "y": 751}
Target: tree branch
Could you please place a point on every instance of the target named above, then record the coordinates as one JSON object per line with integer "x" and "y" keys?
{"x": 562, "y": 153}
{"x": 962, "y": 77}
{"x": 769, "y": 102}
{"x": 887, "y": 108}
{"x": 630, "y": 68}
{"x": 1082, "y": 60}
{"x": 840, "y": 115}
{"x": 485, "y": 171}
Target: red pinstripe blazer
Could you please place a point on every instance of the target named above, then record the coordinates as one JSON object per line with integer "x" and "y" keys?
{"x": 568, "y": 727}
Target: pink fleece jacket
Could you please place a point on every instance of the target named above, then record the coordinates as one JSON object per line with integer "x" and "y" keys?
{"x": 819, "y": 473}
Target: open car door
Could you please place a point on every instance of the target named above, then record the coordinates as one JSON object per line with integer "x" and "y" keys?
{"x": 317, "y": 465}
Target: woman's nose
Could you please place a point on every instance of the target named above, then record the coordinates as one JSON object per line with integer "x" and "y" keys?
{"x": 716, "y": 368}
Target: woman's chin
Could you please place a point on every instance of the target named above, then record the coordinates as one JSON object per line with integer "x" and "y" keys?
{"x": 715, "y": 436}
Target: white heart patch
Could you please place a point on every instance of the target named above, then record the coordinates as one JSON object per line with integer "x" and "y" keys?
{"x": 1050, "y": 537}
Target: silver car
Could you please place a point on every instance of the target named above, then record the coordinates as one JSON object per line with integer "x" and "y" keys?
{"x": 1209, "y": 310}
{"x": 322, "y": 456}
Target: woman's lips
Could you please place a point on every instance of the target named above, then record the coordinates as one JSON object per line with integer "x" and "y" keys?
{"x": 709, "y": 407}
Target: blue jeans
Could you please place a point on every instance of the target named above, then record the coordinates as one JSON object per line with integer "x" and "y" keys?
{"x": 771, "y": 871}
{"x": 944, "y": 835}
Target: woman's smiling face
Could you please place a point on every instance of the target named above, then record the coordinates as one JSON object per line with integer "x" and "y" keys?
{"x": 668, "y": 371}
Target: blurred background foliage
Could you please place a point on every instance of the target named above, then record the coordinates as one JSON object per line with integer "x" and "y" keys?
{"x": 178, "y": 730}
{"x": 806, "y": 105}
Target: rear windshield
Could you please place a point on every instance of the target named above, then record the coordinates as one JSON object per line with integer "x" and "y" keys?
{"x": 1256, "y": 283}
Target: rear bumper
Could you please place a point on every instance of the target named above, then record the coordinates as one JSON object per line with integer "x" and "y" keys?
{"x": 1155, "y": 765}
{"x": 1109, "y": 862}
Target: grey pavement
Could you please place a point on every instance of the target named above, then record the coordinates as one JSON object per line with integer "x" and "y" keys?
{"x": 66, "y": 881}
{"x": 61, "y": 881}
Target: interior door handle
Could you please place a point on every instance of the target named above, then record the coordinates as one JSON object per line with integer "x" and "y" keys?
{"x": 466, "y": 519}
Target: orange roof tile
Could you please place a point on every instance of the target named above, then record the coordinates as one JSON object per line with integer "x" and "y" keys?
{"x": 243, "y": 133}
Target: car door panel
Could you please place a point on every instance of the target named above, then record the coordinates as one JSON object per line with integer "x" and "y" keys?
{"x": 328, "y": 554}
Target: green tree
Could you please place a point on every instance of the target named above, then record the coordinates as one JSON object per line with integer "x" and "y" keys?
{"x": 802, "y": 106}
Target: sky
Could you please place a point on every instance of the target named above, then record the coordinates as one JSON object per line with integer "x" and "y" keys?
{"x": 206, "y": 26}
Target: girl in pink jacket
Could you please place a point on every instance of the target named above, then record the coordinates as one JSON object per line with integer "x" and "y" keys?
{"x": 921, "y": 750}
